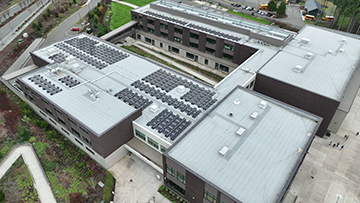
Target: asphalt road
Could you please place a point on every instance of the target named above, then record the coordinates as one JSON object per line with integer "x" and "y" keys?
{"x": 18, "y": 20}
{"x": 62, "y": 31}
{"x": 12, "y": 10}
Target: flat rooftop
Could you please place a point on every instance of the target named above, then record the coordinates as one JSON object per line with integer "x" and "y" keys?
{"x": 100, "y": 84}
{"x": 166, "y": 11}
{"x": 326, "y": 61}
{"x": 246, "y": 150}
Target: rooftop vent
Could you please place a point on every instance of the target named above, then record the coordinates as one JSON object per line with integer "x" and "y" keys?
{"x": 231, "y": 113}
{"x": 305, "y": 42}
{"x": 237, "y": 101}
{"x": 254, "y": 115}
{"x": 330, "y": 51}
{"x": 309, "y": 55}
{"x": 341, "y": 51}
{"x": 224, "y": 150}
{"x": 154, "y": 108}
{"x": 240, "y": 131}
{"x": 181, "y": 89}
{"x": 263, "y": 104}
{"x": 70, "y": 59}
{"x": 298, "y": 69}
{"x": 343, "y": 41}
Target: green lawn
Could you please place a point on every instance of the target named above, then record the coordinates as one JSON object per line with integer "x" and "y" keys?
{"x": 139, "y": 2}
{"x": 121, "y": 15}
{"x": 259, "y": 20}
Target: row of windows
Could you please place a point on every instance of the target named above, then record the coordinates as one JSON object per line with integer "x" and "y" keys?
{"x": 179, "y": 176}
{"x": 150, "y": 141}
{"x": 210, "y": 197}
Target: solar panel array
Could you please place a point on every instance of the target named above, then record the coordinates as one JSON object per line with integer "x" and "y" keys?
{"x": 58, "y": 58}
{"x": 162, "y": 96}
{"x": 133, "y": 99}
{"x": 214, "y": 32}
{"x": 166, "y": 18}
{"x": 169, "y": 124}
{"x": 98, "y": 55}
{"x": 84, "y": 57}
{"x": 69, "y": 81}
{"x": 200, "y": 97}
{"x": 45, "y": 84}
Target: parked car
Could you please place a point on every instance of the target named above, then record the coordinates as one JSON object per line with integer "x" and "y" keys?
{"x": 244, "y": 7}
{"x": 251, "y": 8}
{"x": 75, "y": 29}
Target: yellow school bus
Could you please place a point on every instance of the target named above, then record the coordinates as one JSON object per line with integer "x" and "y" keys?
{"x": 310, "y": 17}
{"x": 328, "y": 18}
{"x": 263, "y": 7}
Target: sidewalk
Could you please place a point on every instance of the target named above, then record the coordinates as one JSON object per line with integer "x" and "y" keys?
{"x": 10, "y": 36}
{"x": 125, "y": 3}
{"x": 38, "y": 176}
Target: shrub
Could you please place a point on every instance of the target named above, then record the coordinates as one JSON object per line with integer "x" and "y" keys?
{"x": 23, "y": 133}
{"x": 161, "y": 188}
{"x": 48, "y": 12}
{"x": 32, "y": 139}
{"x": 74, "y": 1}
{"x": 52, "y": 134}
{"x": 40, "y": 24}
{"x": 2, "y": 195}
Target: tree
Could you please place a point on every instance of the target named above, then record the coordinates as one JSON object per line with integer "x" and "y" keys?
{"x": 74, "y": 1}
{"x": 272, "y": 5}
{"x": 282, "y": 9}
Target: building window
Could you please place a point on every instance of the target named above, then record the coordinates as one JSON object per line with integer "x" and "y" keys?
{"x": 83, "y": 130}
{"x": 43, "y": 113}
{"x": 178, "y": 30}
{"x": 163, "y": 26}
{"x": 224, "y": 68}
{"x": 151, "y": 22}
{"x": 148, "y": 40}
{"x": 86, "y": 140}
{"x": 163, "y": 34}
{"x": 134, "y": 16}
{"x": 162, "y": 148}
{"x": 48, "y": 111}
{"x": 170, "y": 170}
{"x": 206, "y": 62}
{"x": 52, "y": 121}
{"x": 153, "y": 143}
{"x": 31, "y": 99}
{"x": 181, "y": 177}
{"x": 151, "y": 30}
{"x": 229, "y": 47}
{"x": 61, "y": 121}
{"x": 141, "y": 27}
{"x": 59, "y": 112}
{"x": 209, "y": 196}
{"x": 65, "y": 131}
{"x": 138, "y": 36}
{"x": 193, "y": 35}
{"x": 227, "y": 57}
{"x": 161, "y": 45}
{"x": 140, "y": 135}
{"x": 44, "y": 101}
{"x": 73, "y": 122}
{"x": 177, "y": 39}
{"x": 190, "y": 55}
{"x": 175, "y": 50}
{"x": 209, "y": 51}
{"x": 75, "y": 132}
{"x": 140, "y": 18}
{"x": 211, "y": 41}
{"x": 194, "y": 45}
{"x": 79, "y": 142}
{"x": 90, "y": 150}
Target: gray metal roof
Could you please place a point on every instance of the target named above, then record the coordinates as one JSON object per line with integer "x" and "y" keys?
{"x": 106, "y": 78}
{"x": 259, "y": 161}
{"x": 326, "y": 73}
{"x": 211, "y": 14}
{"x": 312, "y": 5}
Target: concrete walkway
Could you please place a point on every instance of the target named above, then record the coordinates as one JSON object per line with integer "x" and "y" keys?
{"x": 143, "y": 185}
{"x": 150, "y": 49}
{"x": 125, "y": 3}
{"x": 37, "y": 173}
{"x": 328, "y": 174}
